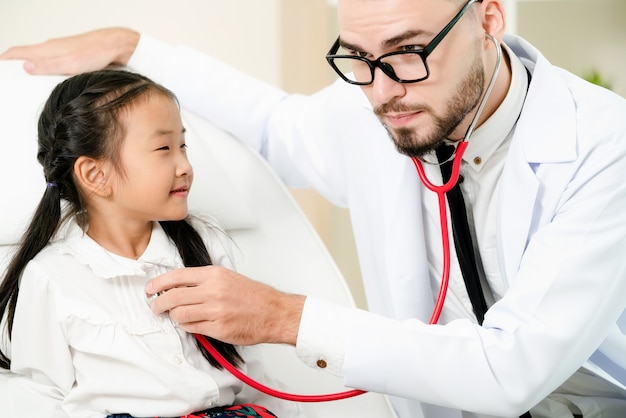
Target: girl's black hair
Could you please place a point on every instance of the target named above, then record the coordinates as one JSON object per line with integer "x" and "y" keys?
{"x": 194, "y": 254}
{"x": 81, "y": 118}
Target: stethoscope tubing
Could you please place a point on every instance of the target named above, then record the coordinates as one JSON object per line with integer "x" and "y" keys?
{"x": 443, "y": 219}
{"x": 270, "y": 391}
{"x": 445, "y": 276}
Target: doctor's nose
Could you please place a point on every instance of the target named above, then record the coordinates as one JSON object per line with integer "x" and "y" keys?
{"x": 383, "y": 89}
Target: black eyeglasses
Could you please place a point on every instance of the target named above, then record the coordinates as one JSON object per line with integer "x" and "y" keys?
{"x": 401, "y": 66}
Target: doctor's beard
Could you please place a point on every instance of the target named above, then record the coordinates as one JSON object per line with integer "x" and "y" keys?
{"x": 416, "y": 142}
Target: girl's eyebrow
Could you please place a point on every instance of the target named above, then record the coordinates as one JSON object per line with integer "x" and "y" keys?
{"x": 161, "y": 132}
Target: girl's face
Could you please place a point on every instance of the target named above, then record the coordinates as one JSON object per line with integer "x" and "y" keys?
{"x": 156, "y": 175}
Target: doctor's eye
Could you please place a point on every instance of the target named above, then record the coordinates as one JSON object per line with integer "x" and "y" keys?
{"x": 411, "y": 48}
{"x": 359, "y": 54}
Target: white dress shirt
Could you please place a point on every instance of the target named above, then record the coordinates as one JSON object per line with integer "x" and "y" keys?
{"x": 86, "y": 343}
{"x": 481, "y": 170}
{"x": 556, "y": 272}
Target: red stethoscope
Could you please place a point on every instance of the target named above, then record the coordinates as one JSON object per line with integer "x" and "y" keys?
{"x": 443, "y": 289}
{"x": 445, "y": 275}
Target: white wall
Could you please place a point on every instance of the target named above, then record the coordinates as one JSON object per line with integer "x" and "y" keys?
{"x": 579, "y": 35}
{"x": 222, "y": 28}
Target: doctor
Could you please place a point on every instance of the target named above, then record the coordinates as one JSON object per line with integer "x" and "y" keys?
{"x": 542, "y": 179}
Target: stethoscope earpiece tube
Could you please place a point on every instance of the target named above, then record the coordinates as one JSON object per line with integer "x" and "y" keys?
{"x": 447, "y": 186}
{"x": 443, "y": 219}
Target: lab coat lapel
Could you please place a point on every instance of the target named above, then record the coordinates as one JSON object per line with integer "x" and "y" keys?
{"x": 404, "y": 245}
{"x": 545, "y": 133}
{"x": 517, "y": 199}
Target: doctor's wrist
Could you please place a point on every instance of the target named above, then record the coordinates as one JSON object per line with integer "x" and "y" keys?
{"x": 123, "y": 42}
{"x": 286, "y": 316}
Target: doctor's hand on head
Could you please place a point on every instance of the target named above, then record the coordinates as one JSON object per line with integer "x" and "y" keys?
{"x": 227, "y": 306}
{"x": 75, "y": 54}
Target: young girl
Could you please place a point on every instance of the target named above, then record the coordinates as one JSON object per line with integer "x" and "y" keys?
{"x": 114, "y": 215}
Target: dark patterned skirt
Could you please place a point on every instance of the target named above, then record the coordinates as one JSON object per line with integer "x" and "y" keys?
{"x": 237, "y": 411}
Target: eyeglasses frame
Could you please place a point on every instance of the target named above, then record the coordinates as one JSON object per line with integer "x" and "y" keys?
{"x": 387, "y": 68}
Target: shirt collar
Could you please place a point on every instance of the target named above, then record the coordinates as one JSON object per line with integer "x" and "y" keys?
{"x": 488, "y": 137}
{"x": 161, "y": 251}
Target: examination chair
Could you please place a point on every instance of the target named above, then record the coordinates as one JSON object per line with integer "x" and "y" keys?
{"x": 275, "y": 242}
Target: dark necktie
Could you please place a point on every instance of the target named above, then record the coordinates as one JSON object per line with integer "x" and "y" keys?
{"x": 462, "y": 238}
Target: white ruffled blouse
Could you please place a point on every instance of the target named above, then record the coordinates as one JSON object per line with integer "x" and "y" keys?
{"x": 87, "y": 344}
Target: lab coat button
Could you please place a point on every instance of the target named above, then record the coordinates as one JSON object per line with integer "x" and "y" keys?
{"x": 477, "y": 160}
{"x": 209, "y": 403}
{"x": 177, "y": 360}
{"x": 321, "y": 363}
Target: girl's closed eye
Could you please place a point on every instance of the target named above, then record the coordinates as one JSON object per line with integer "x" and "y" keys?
{"x": 167, "y": 147}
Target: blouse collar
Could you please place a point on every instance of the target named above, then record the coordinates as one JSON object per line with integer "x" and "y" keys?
{"x": 160, "y": 251}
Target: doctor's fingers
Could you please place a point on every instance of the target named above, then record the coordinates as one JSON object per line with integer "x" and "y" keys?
{"x": 231, "y": 324}
{"x": 224, "y": 321}
{"x": 183, "y": 277}
{"x": 38, "y": 62}
{"x": 176, "y": 297}
{"x": 77, "y": 53}
{"x": 194, "y": 285}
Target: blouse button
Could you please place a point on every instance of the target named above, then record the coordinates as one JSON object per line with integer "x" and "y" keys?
{"x": 177, "y": 360}
{"x": 209, "y": 403}
{"x": 321, "y": 363}
{"x": 477, "y": 160}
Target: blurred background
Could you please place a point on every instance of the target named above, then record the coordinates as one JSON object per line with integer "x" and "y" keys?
{"x": 284, "y": 42}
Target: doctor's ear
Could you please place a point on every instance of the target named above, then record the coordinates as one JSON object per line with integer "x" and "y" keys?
{"x": 92, "y": 175}
{"x": 493, "y": 18}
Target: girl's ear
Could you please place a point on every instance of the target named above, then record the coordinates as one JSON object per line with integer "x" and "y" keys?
{"x": 91, "y": 175}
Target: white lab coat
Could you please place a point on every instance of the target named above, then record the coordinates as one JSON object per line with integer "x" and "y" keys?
{"x": 561, "y": 232}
